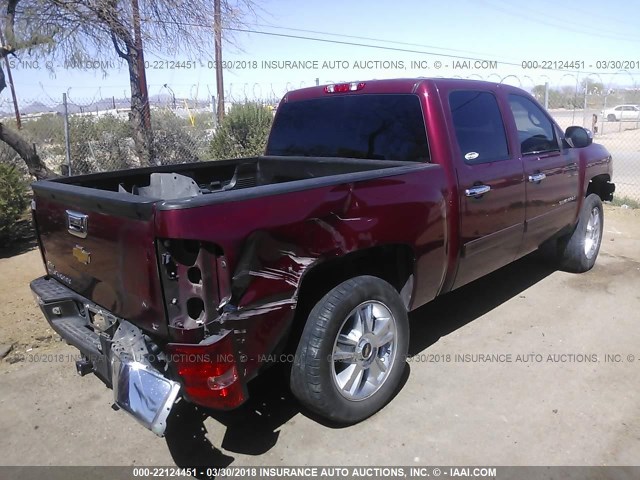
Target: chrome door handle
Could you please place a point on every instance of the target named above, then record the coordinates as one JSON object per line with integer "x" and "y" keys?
{"x": 477, "y": 190}
{"x": 537, "y": 177}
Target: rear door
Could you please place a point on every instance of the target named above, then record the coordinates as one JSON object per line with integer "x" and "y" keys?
{"x": 551, "y": 172}
{"x": 103, "y": 248}
{"x": 630, "y": 112}
{"x": 491, "y": 184}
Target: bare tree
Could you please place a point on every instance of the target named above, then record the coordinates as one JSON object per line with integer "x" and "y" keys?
{"x": 101, "y": 29}
{"x": 80, "y": 30}
{"x": 13, "y": 43}
{"x": 170, "y": 29}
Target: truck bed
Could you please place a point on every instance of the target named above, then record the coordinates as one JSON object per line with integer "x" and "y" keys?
{"x": 181, "y": 182}
{"x": 99, "y": 233}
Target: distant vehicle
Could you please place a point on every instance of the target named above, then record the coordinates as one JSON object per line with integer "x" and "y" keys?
{"x": 622, "y": 112}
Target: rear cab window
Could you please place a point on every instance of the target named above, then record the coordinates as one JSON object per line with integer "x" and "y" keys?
{"x": 479, "y": 127}
{"x": 367, "y": 126}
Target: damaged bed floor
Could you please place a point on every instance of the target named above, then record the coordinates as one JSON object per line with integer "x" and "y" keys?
{"x": 527, "y": 366}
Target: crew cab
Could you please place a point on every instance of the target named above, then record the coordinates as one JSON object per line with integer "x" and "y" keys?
{"x": 372, "y": 199}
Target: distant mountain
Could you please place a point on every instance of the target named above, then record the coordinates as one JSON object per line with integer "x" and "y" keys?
{"x": 78, "y": 106}
{"x": 35, "y": 107}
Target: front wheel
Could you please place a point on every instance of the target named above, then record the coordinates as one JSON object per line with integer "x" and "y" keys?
{"x": 611, "y": 117}
{"x": 578, "y": 252}
{"x": 352, "y": 352}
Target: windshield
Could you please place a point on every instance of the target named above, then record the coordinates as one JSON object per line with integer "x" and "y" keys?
{"x": 378, "y": 127}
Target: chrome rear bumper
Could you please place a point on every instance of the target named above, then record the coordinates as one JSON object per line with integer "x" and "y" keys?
{"x": 122, "y": 362}
{"x": 139, "y": 388}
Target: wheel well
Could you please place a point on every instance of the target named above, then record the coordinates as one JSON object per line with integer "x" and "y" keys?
{"x": 600, "y": 186}
{"x": 392, "y": 263}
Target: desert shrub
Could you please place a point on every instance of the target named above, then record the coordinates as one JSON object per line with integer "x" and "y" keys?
{"x": 100, "y": 144}
{"x": 13, "y": 200}
{"x": 177, "y": 139}
{"x": 46, "y": 129}
{"x": 243, "y": 132}
{"x": 9, "y": 157}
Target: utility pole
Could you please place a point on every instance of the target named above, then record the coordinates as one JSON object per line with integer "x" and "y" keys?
{"x": 546, "y": 95}
{"x": 67, "y": 138}
{"x": 142, "y": 75}
{"x": 217, "y": 31}
{"x": 13, "y": 90}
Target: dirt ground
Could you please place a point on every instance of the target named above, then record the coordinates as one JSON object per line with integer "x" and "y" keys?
{"x": 576, "y": 406}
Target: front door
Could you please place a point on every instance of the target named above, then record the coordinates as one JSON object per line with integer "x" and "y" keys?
{"x": 551, "y": 173}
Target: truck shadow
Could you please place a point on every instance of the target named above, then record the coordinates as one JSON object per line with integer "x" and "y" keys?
{"x": 22, "y": 240}
{"x": 452, "y": 311}
{"x": 254, "y": 428}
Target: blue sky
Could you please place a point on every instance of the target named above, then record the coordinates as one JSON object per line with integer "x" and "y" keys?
{"x": 589, "y": 32}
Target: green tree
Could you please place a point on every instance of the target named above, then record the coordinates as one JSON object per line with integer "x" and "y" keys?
{"x": 538, "y": 92}
{"x": 13, "y": 200}
{"x": 243, "y": 132}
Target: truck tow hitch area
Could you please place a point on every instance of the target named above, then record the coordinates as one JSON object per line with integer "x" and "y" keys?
{"x": 138, "y": 387}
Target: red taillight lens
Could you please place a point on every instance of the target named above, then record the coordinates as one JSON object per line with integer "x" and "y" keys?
{"x": 344, "y": 87}
{"x": 209, "y": 372}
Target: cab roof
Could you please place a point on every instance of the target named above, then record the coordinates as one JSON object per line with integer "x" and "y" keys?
{"x": 395, "y": 85}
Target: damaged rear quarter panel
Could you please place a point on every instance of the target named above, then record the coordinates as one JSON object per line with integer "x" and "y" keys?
{"x": 270, "y": 243}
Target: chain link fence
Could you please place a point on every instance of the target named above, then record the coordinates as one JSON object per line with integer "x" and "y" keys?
{"x": 95, "y": 135}
{"x": 100, "y": 137}
{"x": 613, "y": 115}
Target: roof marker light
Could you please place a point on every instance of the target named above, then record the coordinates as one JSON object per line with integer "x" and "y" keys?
{"x": 344, "y": 87}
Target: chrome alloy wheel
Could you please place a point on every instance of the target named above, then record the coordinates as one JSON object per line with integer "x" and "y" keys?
{"x": 592, "y": 235}
{"x": 364, "y": 351}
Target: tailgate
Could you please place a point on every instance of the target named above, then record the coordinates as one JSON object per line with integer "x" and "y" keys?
{"x": 101, "y": 244}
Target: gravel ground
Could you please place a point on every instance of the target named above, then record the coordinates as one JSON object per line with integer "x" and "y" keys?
{"x": 559, "y": 400}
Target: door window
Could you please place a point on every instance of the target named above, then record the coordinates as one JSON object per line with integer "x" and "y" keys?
{"x": 536, "y": 132}
{"x": 479, "y": 126}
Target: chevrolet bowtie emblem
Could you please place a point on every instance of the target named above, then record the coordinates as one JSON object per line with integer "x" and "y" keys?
{"x": 81, "y": 255}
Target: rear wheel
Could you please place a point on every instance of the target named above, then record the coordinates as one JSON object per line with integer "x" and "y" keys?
{"x": 351, "y": 355}
{"x": 578, "y": 252}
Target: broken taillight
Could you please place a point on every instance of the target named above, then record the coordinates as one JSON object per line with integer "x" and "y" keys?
{"x": 209, "y": 372}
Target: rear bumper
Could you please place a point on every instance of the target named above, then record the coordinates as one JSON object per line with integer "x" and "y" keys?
{"x": 146, "y": 382}
{"x": 64, "y": 310}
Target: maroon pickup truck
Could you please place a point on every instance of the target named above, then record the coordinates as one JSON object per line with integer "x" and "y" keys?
{"x": 372, "y": 199}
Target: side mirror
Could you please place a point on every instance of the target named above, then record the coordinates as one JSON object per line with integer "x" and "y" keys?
{"x": 578, "y": 137}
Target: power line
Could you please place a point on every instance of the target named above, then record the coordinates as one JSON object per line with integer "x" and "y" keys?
{"x": 357, "y": 44}
{"x": 395, "y": 42}
{"x": 324, "y": 40}
{"x": 365, "y": 45}
{"x": 562, "y": 24}
{"x": 589, "y": 14}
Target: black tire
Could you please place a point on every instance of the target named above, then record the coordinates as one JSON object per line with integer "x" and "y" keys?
{"x": 315, "y": 376}
{"x": 578, "y": 252}
{"x": 611, "y": 117}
